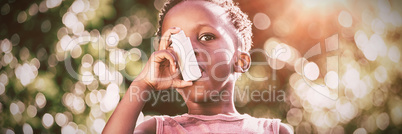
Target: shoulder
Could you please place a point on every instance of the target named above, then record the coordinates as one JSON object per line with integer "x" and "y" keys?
{"x": 146, "y": 127}
{"x": 285, "y": 129}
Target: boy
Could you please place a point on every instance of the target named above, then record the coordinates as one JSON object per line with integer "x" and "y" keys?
{"x": 221, "y": 37}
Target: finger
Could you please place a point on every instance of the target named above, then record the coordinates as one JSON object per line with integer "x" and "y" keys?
{"x": 181, "y": 83}
{"x": 165, "y": 39}
{"x": 174, "y": 63}
{"x": 171, "y": 51}
{"x": 161, "y": 56}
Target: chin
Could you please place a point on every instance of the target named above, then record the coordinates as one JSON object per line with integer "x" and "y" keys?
{"x": 201, "y": 91}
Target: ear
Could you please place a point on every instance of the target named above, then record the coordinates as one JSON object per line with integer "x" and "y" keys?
{"x": 242, "y": 63}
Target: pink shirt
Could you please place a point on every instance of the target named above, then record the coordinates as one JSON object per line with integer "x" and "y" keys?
{"x": 220, "y": 123}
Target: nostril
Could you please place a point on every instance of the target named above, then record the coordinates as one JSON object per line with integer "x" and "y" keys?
{"x": 196, "y": 52}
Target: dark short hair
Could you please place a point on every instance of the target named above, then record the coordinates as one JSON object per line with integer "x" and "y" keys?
{"x": 237, "y": 17}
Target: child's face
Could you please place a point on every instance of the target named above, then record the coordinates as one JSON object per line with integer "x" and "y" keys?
{"x": 214, "y": 41}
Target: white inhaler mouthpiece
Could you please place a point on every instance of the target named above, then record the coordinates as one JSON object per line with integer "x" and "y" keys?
{"x": 187, "y": 61}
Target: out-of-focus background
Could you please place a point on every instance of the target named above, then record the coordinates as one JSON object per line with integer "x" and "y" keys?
{"x": 327, "y": 66}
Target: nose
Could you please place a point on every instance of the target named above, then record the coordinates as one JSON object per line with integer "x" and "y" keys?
{"x": 196, "y": 46}
{"x": 200, "y": 50}
{"x": 200, "y": 53}
{"x": 196, "y": 52}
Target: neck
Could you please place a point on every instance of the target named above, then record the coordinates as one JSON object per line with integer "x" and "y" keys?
{"x": 211, "y": 108}
{"x": 222, "y": 104}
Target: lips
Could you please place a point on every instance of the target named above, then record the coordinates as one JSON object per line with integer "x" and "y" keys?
{"x": 201, "y": 68}
{"x": 203, "y": 73}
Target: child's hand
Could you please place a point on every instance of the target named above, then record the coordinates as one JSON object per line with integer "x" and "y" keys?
{"x": 161, "y": 72}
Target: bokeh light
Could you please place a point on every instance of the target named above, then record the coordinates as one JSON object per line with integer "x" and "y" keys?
{"x": 261, "y": 21}
{"x": 27, "y": 129}
{"x": 311, "y": 71}
{"x": 345, "y": 19}
{"x": 332, "y": 80}
{"x": 47, "y": 120}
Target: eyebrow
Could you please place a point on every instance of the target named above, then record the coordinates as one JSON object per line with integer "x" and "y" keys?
{"x": 201, "y": 25}
{"x": 204, "y": 25}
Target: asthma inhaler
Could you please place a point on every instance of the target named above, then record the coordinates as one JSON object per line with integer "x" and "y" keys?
{"x": 188, "y": 64}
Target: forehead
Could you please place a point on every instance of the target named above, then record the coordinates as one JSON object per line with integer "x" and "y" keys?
{"x": 190, "y": 12}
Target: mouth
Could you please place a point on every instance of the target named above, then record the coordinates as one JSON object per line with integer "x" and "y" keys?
{"x": 203, "y": 73}
{"x": 201, "y": 68}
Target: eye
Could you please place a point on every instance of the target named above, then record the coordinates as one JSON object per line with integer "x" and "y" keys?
{"x": 206, "y": 37}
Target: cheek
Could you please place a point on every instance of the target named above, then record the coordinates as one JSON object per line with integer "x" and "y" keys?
{"x": 221, "y": 67}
